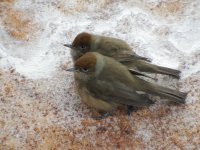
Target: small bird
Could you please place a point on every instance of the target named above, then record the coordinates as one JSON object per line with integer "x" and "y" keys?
{"x": 105, "y": 84}
{"x": 119, "y": 50}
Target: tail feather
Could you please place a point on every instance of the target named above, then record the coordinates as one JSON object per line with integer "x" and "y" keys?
{"x": 168, "y": 71}
{"x": 151, "y": 68}
{"x": 173, "y": 95}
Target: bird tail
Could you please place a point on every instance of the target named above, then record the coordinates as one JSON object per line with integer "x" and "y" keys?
{"x": 168, "y": 71}
{"x": 151, "y": 68}
{"x": 173, "y": 95}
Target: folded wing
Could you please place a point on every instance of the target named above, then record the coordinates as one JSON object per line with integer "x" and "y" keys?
{"x": 117, "y": 93}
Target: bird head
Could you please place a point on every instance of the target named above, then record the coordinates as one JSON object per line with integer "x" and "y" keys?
{"x": 87, "y": 62}
{"x": 88, "y": 65}
{"x": 80, "y": 45}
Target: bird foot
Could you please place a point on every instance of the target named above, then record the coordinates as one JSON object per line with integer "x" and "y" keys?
{"x": 102, "y": 116}
{"x": 131, "y": 109}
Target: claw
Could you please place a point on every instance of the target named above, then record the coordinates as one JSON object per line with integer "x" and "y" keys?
{"x": 131, "y": 109}
{"x": 103, "y": 116}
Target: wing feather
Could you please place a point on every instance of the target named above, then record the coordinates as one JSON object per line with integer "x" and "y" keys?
{"x": 117, "y": 93}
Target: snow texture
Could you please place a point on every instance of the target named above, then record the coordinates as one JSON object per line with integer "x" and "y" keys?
{"x": 39, "y": 107}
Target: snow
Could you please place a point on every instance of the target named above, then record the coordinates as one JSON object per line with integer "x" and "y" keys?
{"x": 159, "y": 38}
{"x": 32, "y": 34}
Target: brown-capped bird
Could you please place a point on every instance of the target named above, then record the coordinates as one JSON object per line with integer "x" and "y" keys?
{"x": 119, "y": 50}
{"x": 105, "y": 83}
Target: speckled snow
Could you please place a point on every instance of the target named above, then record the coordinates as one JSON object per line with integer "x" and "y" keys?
{"x": 39, "y": 107}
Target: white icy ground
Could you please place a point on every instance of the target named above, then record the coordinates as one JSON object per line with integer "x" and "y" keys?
{"x": 168, "y": 38}
{"x": 32, "y": 34}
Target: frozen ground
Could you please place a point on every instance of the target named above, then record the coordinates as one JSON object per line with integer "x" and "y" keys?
{"x": 39, "y": 108}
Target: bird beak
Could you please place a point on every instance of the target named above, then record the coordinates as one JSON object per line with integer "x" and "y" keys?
{"x": 71, "y": 69}
{"x": 68, "y": 45}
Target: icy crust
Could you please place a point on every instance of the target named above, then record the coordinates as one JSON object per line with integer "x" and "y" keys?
{"x": 39, "y": 107}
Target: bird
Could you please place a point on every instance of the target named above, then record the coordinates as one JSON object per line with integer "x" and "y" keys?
{"x": 105, "y": 84}
{"x": 118, "y": 49}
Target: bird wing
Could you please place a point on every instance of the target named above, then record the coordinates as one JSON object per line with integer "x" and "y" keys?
{"x": 138, "y": 73}
{"x": 131, "y": 57}
{"x": 118, "y": 49}
{"x": 115, "y": 92}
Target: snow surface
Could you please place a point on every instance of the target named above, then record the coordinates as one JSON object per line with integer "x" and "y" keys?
{"x": 38, "y": 98}
{"x": 168, "y": 38}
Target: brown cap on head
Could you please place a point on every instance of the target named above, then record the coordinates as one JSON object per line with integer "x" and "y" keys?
{"x": 82, "y": 38}
{"x": 88, "y": 60}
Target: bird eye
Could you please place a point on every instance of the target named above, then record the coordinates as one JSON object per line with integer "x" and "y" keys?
{"x": 84, "y": 70}
{"x": 82, "y": 47}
